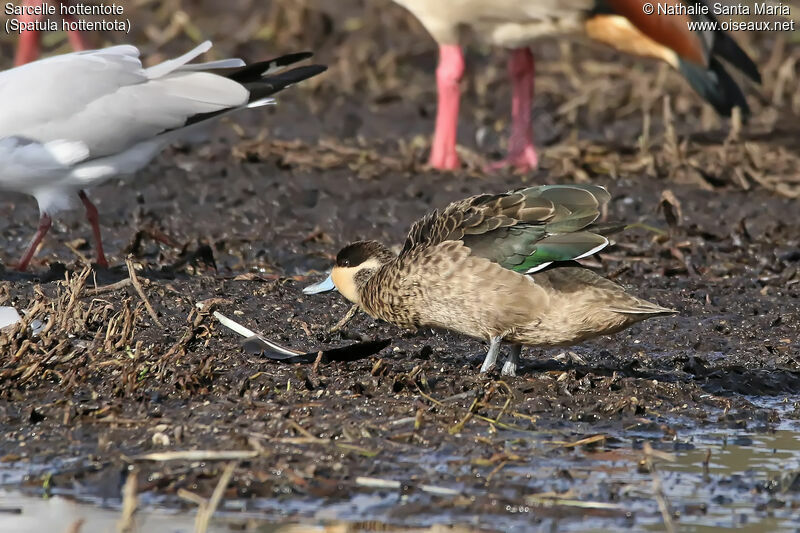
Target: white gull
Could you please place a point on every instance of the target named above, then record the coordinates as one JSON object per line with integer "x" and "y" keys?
{"x": 73, "y": 121}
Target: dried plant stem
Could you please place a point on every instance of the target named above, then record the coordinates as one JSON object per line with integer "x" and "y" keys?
{"x": 129, "y": 504}
{"x": 138, "y": 286}
{"x": 205, "y": 511}
{"x": 345, "y": 319}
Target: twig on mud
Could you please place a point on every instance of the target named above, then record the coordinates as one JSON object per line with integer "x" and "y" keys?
{"x": 195, "y": 320}
{"x": 75, "y": 285}
{"x": 378, "y": 483}
{"x": 109, "y": 288}
{"x": 401, "y": 421}
{"x": 76, "y": 526}
{"x": 494, "y": 471}
{"x": 129, "y": 503}
{"x": 205, "y": 511}
{"x": 197, "y": 455}
{"x": 647, "y": 227}
{"x": 140, "y": 290}
{"x": 658, "y": 489}
{"x": 303, "y": 431}
{"x": 309, "y": 438}
{"x": 494, "y": 422}
{"x": 548, "y": 501}
{"x": 582, "y": 442}
{"x": 190, "y": 496}
{"x": 344, "y": 320}
{"x": 317, "y": 362}
{"x": 459, "y": 427}
{"x": 81, "y": 257}
{"x": 735, "y": 132}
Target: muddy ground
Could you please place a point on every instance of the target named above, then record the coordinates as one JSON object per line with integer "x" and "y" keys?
{"x": 246, "y": 218}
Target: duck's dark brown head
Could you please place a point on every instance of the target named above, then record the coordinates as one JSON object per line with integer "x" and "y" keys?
{"x": 356, "y": 263}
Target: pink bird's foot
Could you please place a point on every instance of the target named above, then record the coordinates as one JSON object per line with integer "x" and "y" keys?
{"x": 93, "y": 218}
{"x": 523, "y": 160}
{"x": 448, "y": 77}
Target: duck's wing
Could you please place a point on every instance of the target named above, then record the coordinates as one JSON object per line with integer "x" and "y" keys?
{"x": 108, "y": 101}
{"x": 524, "y": 230}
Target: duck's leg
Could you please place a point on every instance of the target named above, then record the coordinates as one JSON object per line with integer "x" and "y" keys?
{"x": 521, "y": 152}
{"x": 491, "y": 355}
{"x": 510, "y": 367}
{"x": 44, "y": 224}
{"x": 93, "y": 218}
{"x": 448, "y": 78}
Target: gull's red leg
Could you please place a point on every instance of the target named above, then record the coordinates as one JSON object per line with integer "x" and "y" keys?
{"x": 93, "y": 218}
{"x": 448, "y": 76}
{"x": 521, "y": 152}
{"x": 44, "y": 224}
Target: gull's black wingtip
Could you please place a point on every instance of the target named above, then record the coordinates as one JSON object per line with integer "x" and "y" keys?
{"x": 269, "y": 85}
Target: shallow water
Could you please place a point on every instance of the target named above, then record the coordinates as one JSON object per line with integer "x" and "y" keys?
{"x": 752, "y": 481}
{"x": 25, "y": 514}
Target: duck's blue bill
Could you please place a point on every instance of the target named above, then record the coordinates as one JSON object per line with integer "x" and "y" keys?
{"x": 322, "y": 286}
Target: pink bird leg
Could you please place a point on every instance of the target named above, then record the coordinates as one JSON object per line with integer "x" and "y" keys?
{"x": 448, "y": 76}
{"x": 93, "y": 218}
{"x": 521, "y": 152}
{"x": 29, "y": 41}
{"x": 44, "y": 224}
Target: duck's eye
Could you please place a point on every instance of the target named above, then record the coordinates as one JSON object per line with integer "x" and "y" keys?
{"x": 346, "y": 263}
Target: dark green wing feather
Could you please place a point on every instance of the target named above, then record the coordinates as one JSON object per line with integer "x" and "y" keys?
{"x": 523, "y": 230}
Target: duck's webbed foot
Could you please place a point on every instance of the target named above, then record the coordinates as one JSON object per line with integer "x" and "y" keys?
{"x": 491, "y": 355}
{"x": 510, "y": 367}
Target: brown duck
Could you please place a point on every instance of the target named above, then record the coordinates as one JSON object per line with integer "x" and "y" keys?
{"x": 496, "y": 267}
